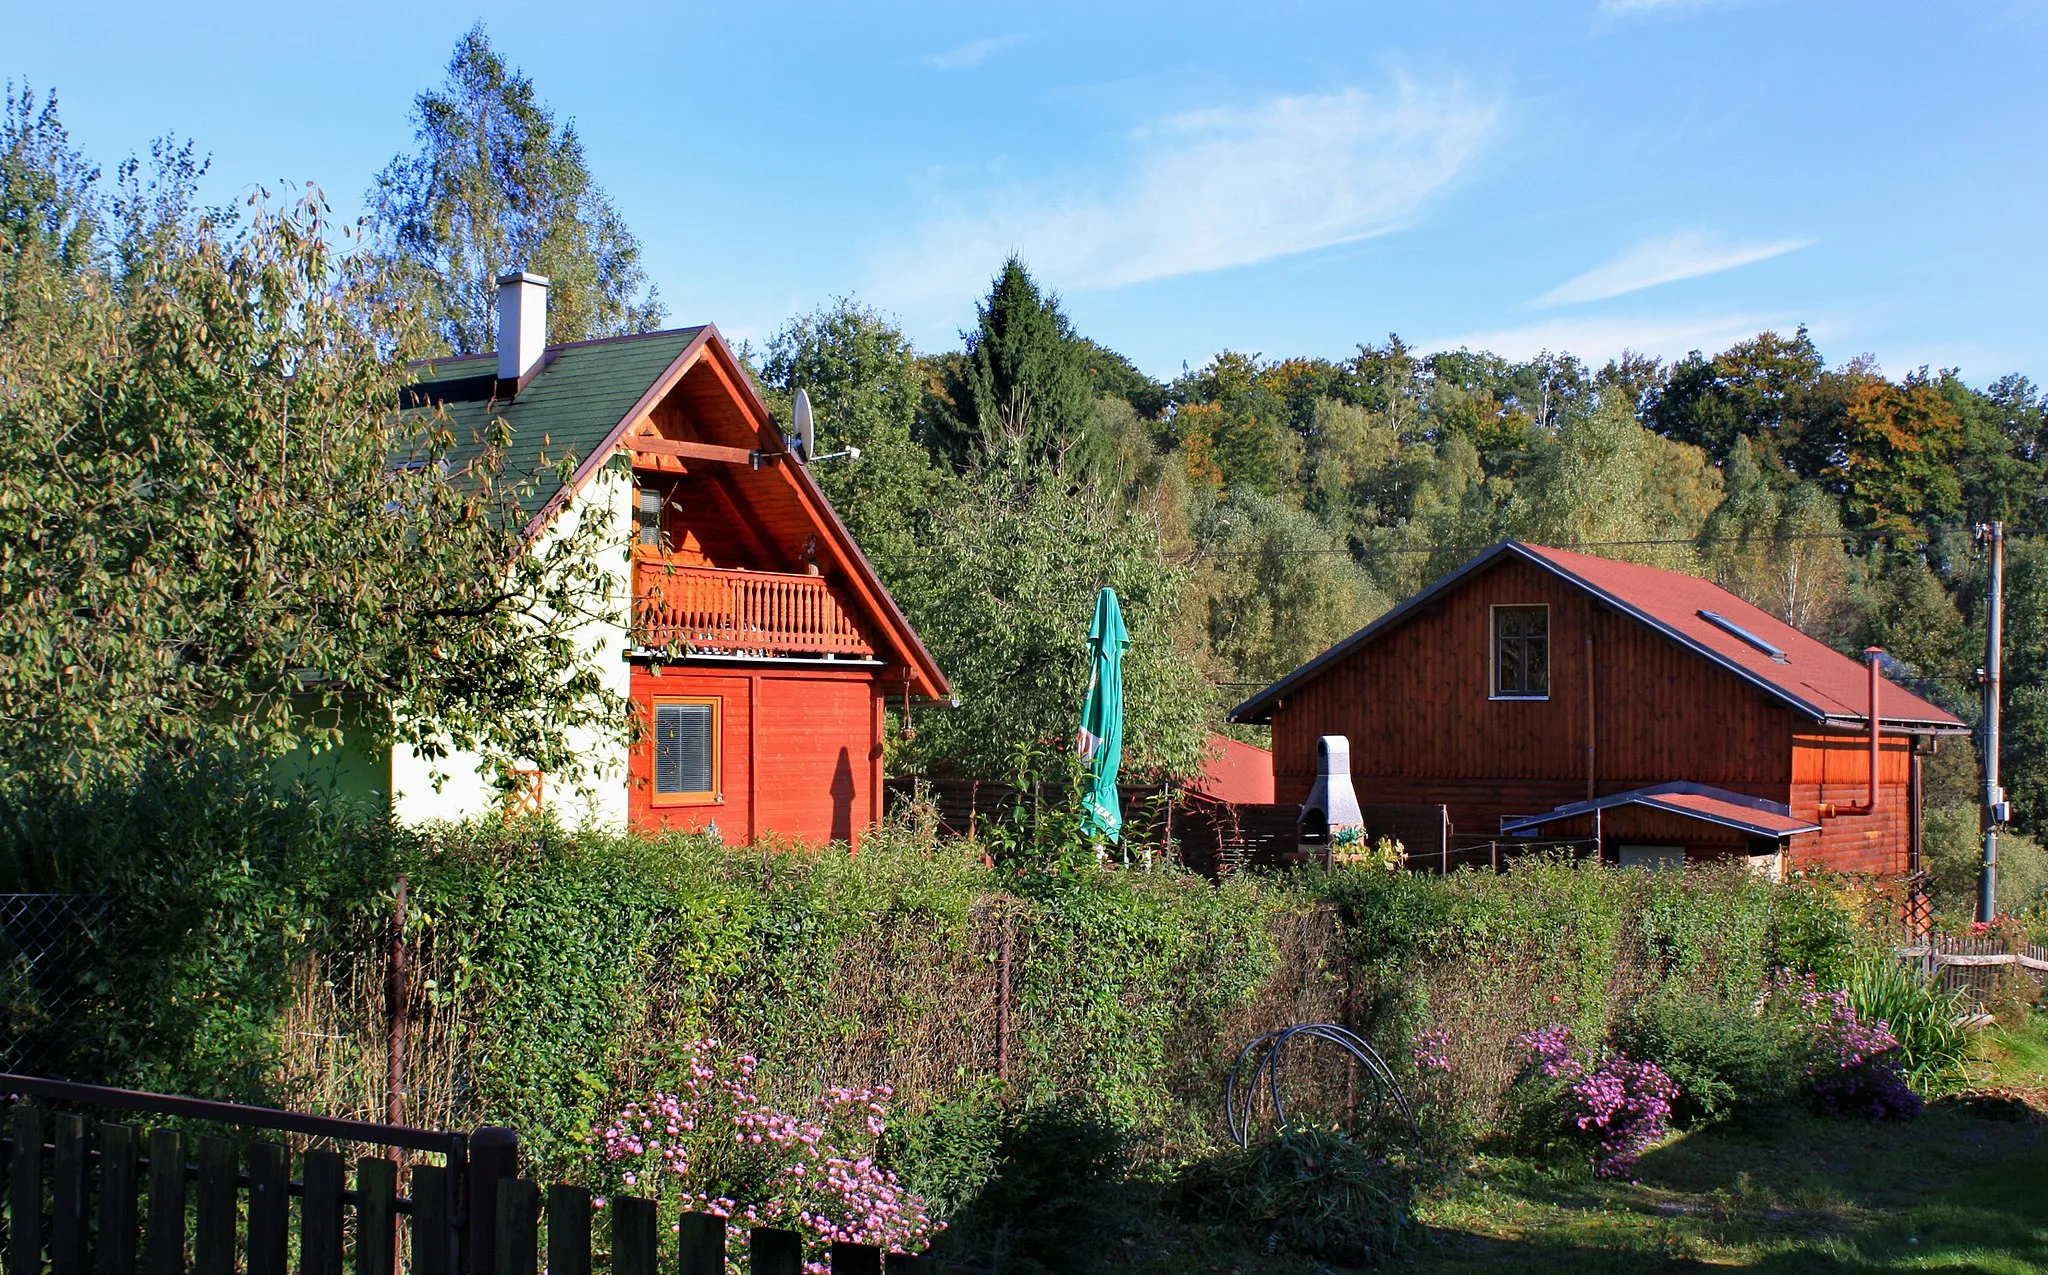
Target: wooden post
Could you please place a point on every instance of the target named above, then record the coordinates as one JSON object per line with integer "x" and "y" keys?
{"x": 433, "y": 1248}
{"x": 67, "y": 1196}
{"x": 701, "y": 1243}
{"x": 118, "y": 1190}
{"x": 518, "y": 1224}
{"x": 395, "y": 1007}
{"x": 493, "y": 1157}
{"x": 213, "y": 1239}
{"x": 775, "y": 1252}
{"x": 856, "y": 1259}
{"x": 568, "y": 1230}
{"x": 634, "y": 1248}
{"x": 25, "y": 1236}
{"x": 320, "y": 1213}
{"x": 376, "y": 1217}
{"x": 1003, "y": 1003}
{"x": 164, "y": 1248}
{"x": 270, "y": 1208}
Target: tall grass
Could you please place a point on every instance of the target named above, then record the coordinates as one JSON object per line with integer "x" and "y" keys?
{"x": 1934, "y": 1045}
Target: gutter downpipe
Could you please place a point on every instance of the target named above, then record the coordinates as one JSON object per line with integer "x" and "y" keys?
{"x": 1829, "y": 809}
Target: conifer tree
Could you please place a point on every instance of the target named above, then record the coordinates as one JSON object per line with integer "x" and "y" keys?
{"x": 1023, "y": 393}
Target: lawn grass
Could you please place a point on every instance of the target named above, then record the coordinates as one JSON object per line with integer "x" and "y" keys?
{"x": 1963, "y": 1188}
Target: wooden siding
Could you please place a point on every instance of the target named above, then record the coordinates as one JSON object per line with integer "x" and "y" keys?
{"x": 1835, "y": 766}
{"x": 1416, "y": 705}
{"x": 801, "y": 752}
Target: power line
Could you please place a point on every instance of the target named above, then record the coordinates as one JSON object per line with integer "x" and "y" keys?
{"x": 1371, "y": 551}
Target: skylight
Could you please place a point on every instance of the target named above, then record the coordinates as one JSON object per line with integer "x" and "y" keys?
{"x": 1729, "y": 626}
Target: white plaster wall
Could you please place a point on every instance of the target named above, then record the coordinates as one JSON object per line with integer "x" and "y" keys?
{"x": 466, "y": 789}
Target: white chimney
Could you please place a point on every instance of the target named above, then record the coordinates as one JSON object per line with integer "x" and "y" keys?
{"x": 522, "y": 323}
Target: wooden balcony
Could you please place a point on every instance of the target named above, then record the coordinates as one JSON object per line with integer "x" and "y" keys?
{"x": 719, "y": 611}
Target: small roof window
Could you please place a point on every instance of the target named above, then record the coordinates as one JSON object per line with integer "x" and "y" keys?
{"x": 1730, "y": 627}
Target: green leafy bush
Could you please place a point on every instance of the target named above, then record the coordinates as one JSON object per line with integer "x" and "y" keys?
{"x": 1722, "y": 1056}
{"x": 1054, "y": 1197}
{"x": 1309, "y": 1190}
{"x": 1934, "y": 1046}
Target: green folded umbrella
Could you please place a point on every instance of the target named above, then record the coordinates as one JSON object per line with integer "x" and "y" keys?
{"x": 1102, "y": 718}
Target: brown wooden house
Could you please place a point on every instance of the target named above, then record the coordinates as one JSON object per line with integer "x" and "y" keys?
{"x": 1539, "y": 692}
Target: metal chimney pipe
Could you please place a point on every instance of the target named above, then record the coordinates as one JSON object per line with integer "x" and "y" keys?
{"x": 1828, "y": 809}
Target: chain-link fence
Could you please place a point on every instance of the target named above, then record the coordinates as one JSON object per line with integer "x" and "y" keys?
{"x": 47, "y": 947}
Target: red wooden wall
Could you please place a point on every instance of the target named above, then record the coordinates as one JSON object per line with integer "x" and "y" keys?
{"x": 1415, "y": 704}
{"x": 801, "y": 752}
{"x": 1835, "y": 766}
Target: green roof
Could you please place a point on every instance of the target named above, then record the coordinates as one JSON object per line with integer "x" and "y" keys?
{"x": 569, "y": 407}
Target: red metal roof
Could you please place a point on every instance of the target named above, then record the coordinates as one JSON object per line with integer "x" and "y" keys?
{"x": 1811, "y": 671}
{"x": 1805, "y": 673}
{"x": 1695, "y": 801}
{"x": 1236, "y": 772}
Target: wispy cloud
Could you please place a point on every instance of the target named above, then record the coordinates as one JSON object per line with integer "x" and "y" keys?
{"x": 1686, "y": 255}
{"x": 1597, "y": 339}
{"x": 972, "y": 53}
{"x": 1209, "y": 190}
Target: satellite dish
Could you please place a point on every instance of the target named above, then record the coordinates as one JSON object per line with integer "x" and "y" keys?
{"x": 806, "y": 432}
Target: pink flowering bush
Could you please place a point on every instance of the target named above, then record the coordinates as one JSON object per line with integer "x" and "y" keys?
{"x": 1617, "y": 1103}
{"x": 1854, "y": 1064}
{"x": 715, "y": 1147}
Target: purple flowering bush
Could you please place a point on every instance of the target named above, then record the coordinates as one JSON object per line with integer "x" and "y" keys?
{"x": 714, "y": 1146}
{"x": 1854, "y": 1064}
{"x": 1616, "y": 1103}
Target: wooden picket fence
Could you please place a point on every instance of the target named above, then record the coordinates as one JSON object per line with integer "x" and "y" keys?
{"x": 110, "y": 1198}
{"x": 1972, "y": 964}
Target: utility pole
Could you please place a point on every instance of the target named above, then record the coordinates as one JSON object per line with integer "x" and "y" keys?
{"x": 1996, "y": 811}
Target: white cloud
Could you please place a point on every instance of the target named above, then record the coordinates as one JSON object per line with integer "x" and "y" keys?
{"x": 1687, "y": 255}
{"x": 972, "y": 53}
{"x": 1209, "y": 190}
{"x": 1597, "y": 339}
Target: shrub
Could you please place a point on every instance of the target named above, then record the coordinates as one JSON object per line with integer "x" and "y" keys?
{"x": 1614, "y": 1103}
{"x": 1853, "y": 1065}
{"x": 1721, "y": 1056}
{"x": 1954, "y": 842}
{"x": 1311, "y": 1190}
{"x": 715, "y": 1147}
{"x": 1054, "y": 1198}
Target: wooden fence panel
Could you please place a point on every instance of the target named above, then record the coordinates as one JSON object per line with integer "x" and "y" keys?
{"x": 68, "y": 1225}
{"x": 269, "y": 1208}
{"x": 213, "y": 1235}
{"x": 164, "y": 1251}
{"x": 25, "y": 1185}
{"x": 119, "y": 1188}
{"x": 569, "y": 1230}
{"x": 53, "y": 1214}
{"x": 376, "y": 1217}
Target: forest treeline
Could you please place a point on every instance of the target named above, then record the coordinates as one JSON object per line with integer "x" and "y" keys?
{"x": 1251, "y": 511}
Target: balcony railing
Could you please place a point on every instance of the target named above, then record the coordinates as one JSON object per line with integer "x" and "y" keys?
{"x": 713, "y": 609}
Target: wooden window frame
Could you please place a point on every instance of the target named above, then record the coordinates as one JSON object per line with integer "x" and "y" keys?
{"x": 1493, "y": 651}
{"x": 715, "y": 796}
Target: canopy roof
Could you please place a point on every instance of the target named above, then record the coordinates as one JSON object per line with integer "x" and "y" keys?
{"x": 1753, "y": 815}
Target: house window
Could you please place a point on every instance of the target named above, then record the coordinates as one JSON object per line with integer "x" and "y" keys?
{"x": 686, "y": 752}
{"x": 1521, "y": 652}
{"x": 649, "y": 516}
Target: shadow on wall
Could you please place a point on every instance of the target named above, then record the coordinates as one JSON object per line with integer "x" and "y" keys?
{"x": 842, "y": 798}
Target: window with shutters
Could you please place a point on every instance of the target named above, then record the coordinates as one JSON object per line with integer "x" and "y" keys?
{"x": 1521, "y": 652}
{"x": 686, "y": 751}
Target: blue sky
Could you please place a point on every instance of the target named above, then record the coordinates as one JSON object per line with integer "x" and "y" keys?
{"x": 1280, "y": 179}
